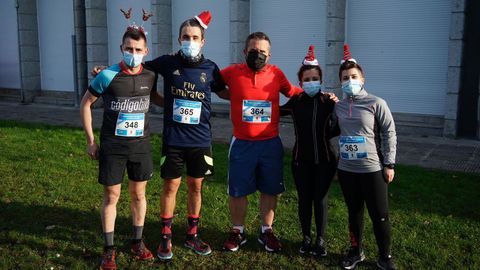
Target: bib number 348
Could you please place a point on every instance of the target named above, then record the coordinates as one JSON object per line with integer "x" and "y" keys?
{"x": 130, "y": 124}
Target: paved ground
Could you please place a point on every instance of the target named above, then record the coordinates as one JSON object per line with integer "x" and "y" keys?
{"x": 428, "y": 152}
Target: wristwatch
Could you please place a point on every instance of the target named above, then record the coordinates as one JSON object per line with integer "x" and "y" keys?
{"x": 390, "y": 166}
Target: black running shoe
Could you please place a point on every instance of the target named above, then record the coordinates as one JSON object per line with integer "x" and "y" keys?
{"x": 319, "y": 248}
{"x": 306, "y": 245}
{"x": 386, "y": 263}
{"x": 353, "y": 257}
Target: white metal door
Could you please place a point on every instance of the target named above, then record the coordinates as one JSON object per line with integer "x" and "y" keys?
{"x": 9, "y": 62}
{"x": 55, "y": 29}
{"x": 403, "y": 48}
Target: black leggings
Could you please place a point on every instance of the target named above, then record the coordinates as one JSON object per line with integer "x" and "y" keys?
{"x": 369, "y": 188}
{"x": 313, "y": 181}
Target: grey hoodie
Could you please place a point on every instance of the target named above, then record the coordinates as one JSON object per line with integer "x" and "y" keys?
{"x": 368, "y": 138}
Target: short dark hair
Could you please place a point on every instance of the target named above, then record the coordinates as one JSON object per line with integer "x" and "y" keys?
{"x": 349, "y": 65}
{"x": 258, "y": 36}
{"x": 135, "y": 34}
{"x": 192, "y": 23}
{"x": 304, "y": 68}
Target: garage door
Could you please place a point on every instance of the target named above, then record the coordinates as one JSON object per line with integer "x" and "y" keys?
{"x": 9, "y": 62}
{"x": 55, "y": 29}
{"x": 403, "y": 48}
{"x": 292, "y": 26}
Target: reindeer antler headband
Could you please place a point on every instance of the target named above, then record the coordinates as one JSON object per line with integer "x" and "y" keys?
{"x": 132, "y": 26}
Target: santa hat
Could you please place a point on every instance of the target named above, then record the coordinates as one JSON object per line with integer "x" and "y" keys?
{"x": 346, "y": 55}
{"x": 310, "y": 59}
{"x": 204, "y": 18}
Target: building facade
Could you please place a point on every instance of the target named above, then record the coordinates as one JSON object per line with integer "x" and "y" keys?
{"x": 419, "y": 56}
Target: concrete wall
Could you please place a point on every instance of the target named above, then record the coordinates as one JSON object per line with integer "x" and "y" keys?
{"x": 454, "y": 67}
{"x": 239, "y": 29}
{"x": 96, "y": 33}
{"x": 29, "y": 51}
{"x": 334, "y": 48}
{"x": 81, "y": 50}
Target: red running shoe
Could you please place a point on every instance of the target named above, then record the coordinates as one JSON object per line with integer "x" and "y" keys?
{"x": 108, "y": 259}
{"x": 235, "y": 240}
{"x": 269, "y": 241}
{"x": 141, "y": 252}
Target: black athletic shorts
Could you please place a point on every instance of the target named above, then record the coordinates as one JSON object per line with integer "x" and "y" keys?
{"x": 118, "y": 155}
{"x": 198, "y": 160}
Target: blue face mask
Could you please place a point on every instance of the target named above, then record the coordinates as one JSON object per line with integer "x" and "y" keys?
{"x": 352, "y": 87}
{"x": 312, "y": 87}
{"x": 132, "y": 60}
{"x": 190, "y": 48}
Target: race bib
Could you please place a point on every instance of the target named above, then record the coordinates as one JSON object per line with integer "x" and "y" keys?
{"x": 257, "y": 111}
{"x": 353, "y": 147}
{"x": 130, "y": 124}
{"x": 186, "y": 111}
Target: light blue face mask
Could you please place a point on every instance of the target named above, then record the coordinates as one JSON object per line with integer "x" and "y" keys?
{"x": 132, "y": 60}
{"x": 352, "y": 87}
{"x": 190, "y": 48}
{"x": 312, "y": 87}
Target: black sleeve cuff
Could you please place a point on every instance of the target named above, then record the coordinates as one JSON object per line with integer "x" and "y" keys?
{"x": 390, "y": 166}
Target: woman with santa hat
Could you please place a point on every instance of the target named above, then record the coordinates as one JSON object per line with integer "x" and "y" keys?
{"x": 367, "y": 161}
{"x": 313, "y": 161}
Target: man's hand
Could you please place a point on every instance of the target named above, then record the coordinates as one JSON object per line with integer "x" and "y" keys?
{"x": 331, "y": 96}
{"x": 388, "y": 174}
{"x": 97, "y": 69}
{"x": 92, "y": 150}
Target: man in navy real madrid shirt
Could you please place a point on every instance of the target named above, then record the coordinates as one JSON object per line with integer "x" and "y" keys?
{"x": 189, "y": 80}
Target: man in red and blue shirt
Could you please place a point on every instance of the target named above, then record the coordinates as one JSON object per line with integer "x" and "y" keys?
{"x": 256, "y": 151}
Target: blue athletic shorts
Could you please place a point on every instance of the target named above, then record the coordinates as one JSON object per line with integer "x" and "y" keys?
{"x": 255, "y": 165}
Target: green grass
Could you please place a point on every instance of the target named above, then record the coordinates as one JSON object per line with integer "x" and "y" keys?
{"x": 50, "y": 198}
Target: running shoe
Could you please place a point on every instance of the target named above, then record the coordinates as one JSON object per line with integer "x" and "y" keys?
{"x": 164, "y": 251}
{"x": 194, "y": 243}
{"x": 269, "y": 241}
{"x": 235, "y": 240}
{"x": 306, "y": 245}
{"x": 353, "y": 257}
{"x": 319, "y": 248}
{"x": 141, "y": 252}
{"x": 386, "y": 263}
{"x": 108, "y": 259}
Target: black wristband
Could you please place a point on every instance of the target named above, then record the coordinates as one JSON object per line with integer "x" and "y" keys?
{"x": 390, "y": 166}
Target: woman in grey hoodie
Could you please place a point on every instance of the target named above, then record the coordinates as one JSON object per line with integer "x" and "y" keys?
{"x": 367, "y": 160}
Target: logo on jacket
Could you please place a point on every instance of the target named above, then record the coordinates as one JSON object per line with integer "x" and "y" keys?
{"x": 203, "y": 77}
{"x": 176, "y": 72}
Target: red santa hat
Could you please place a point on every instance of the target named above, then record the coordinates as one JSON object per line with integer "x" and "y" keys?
{"x": 310, "y": 59}
{"x": 204, "y": 18}
{"x": 346, "y": 55}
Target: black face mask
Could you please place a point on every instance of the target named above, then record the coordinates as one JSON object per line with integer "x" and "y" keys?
{"x": 256, "y": 60}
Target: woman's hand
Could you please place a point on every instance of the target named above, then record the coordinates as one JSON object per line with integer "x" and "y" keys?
{"x": 388, "y": 174}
